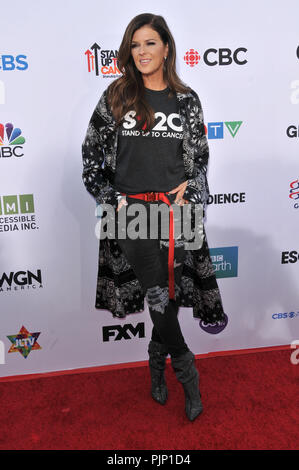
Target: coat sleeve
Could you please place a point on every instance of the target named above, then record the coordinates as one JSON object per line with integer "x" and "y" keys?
{"x": 93, "y": 156}
{"x": 197, "y": 189}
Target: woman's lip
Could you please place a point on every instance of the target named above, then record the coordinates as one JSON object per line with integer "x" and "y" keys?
{"x": 144, "y": 61}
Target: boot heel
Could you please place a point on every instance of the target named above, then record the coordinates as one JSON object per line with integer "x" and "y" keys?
{"x": 188, "y": 375}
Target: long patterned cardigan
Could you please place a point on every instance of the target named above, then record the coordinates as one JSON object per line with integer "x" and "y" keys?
{"x": 118, "y": 290}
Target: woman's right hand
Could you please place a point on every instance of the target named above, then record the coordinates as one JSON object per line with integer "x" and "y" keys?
{"x": 122, "y": 202}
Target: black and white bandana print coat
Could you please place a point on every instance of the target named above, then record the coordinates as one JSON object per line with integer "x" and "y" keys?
{"x": 118, "y": 289}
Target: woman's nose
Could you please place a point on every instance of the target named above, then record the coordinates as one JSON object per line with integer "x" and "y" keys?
{"x": 141, "y": 50}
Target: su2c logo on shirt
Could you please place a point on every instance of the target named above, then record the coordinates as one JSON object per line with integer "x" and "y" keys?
{"x": 166, "y": 126}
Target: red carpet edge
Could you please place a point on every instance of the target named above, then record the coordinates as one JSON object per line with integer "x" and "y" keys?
{"x": 127, "y": 365}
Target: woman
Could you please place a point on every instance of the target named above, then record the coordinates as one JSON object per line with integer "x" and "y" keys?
{"x": 148, "y": 130}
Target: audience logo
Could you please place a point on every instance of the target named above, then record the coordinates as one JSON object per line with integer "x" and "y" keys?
{"x": 20, "y": 280}
{"x": 212, "y": 57}
{"x": 228, "y": 198}
{"x": 225, "y": 261}
{"x": 17, "y": 213}
{"x": 294, "y": 193}
{"x": 11, "y": 141}
{"x": 24, "y": 342}
{"x": 102, "y": 61}
{"x": 10, "y": 62}
{"x": 127, "y": 331}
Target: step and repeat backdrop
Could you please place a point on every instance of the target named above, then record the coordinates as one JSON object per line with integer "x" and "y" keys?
{"x": 56, "y": 58}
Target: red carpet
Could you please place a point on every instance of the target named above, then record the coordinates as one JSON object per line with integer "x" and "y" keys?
{"x": 250, "y": 402}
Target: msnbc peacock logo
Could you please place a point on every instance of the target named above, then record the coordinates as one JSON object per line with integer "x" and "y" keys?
{"x": 11, "y": 141}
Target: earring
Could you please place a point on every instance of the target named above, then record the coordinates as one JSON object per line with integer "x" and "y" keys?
{"x": 165, "y": 58}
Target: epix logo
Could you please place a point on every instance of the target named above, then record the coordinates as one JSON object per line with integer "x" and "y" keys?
{"x": 10, "y": 62}
{"x": 126, "y": 331}
{"x": 225, "y": 261}
{"x": 212, "y": 57}
{"x": 102, "y": 61}
{"x": 11, "y": 141}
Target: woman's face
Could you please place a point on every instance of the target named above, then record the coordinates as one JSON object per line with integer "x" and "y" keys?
{"x": 148, "y": 51}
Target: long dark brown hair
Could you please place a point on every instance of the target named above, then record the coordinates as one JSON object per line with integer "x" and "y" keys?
{"x": 127, "y": 92}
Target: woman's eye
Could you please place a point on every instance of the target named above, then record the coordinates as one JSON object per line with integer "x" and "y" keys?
{"x": 148, "y": 44}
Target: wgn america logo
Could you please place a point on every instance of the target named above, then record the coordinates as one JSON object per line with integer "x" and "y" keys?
{"x": 284, "y": 315}
{"x": 119, "y": 332}
{"x": 20, "y": 280}
{"x": 102, "y": 61}
{"x": 9, "y": 62}
{"x": 212, "y": 57}
{"x": 11, "y": 141}
{"x": 289, "y": 257}
{"x": 10, "y": 209}
{"x": 294, "y": 193}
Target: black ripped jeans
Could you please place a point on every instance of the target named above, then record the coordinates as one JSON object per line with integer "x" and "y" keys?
{"x": 148, "y": 258}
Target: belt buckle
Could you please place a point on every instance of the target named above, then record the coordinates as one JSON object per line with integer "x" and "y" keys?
{"x": 151, "y": 196}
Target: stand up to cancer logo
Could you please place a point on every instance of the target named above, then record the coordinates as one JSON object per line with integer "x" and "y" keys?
{"x": 102, "y": 61}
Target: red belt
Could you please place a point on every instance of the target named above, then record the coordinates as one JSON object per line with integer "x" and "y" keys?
{"x": 152, "y": 196}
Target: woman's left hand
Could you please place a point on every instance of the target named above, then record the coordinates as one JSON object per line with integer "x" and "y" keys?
{"x": 180, "y": 191}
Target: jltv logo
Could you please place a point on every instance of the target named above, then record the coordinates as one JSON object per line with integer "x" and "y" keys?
{"x": 127, "y": 331}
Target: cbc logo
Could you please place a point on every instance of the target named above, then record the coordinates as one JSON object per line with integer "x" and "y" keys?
{"x": 212, "y": 57}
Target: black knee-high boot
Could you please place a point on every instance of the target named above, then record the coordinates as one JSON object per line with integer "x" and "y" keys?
{"x": 188, "y": 375}
{"x": 157, "y": 361}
